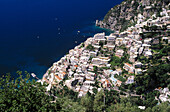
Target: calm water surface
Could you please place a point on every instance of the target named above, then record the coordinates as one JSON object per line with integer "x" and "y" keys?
{"x": 36, "y": 33}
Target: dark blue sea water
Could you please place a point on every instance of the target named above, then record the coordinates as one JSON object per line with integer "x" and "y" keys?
{"x": 36, "y": 33}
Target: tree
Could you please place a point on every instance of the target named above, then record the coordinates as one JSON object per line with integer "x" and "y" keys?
{"x": 163, "y": 107}
{"x": 87, "y": 102}
{"x": 95, "y": 69}
{"x": 115, "y": 61}
{"x": 23, "y": 95}
{"x": 140, "y": 90}
{"x": 94, "y": 90}
{"x": 90, "y": 47}
{"x": 123, "y": 107}
{"x": 99, "y": 102}
{"x": 101, "y": 43}
{"x": 82, "y": 45}
{"x": 131, "y": 87}
{"x": 70, "y": 106}
{"x": 96, "y": 84}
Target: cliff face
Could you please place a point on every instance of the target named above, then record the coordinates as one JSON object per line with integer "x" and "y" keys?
{"x": 125, "y": 14}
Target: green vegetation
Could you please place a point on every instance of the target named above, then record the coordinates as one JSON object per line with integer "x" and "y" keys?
{"x": 82, "y": 45}
{"x": 120, "y": 78}
{"x": 95, "y": 69}
{"x": 101, "y": 43}
{"x": 156, "y": 76}
{"x": 90, "y": 47}
{"x": 122, "y": 16}
{"x": 23, "y": 95}
{"x": 115, "y": 61}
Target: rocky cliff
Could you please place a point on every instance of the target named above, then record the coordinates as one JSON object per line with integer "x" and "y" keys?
{"x": 126, "y": 14}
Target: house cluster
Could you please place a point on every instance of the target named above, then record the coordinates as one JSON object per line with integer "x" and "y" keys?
{"x": 154, "y": 20}
{"x": 76, "y": 69}
{"x": 164, "y": 94}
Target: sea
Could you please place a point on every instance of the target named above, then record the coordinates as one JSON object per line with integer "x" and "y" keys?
{"x": 36, "y": 33}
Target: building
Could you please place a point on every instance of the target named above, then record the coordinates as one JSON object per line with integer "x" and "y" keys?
{"x": 99, "y": 37}
{"x": 164, "y": 96}
{"x": 88, "y": 83}
{"x": 107, "y": 72}
{"x": 138, "y": 71}
{"x": 119, "y": 71}
{"x": 111, "y": 40}
{"x": 130, "y": 80}
{"x": 93, "y": 54}
{"x": 148, "y": 54}
{"x": 57, "y": 78}
{"x": 118, "y": 83}
{"x": 133, "y": 58}
{"x": 100, "y": 61}
{"x": 119, "y": 41}
{"x": 110, "y": 47}
{"x": 119, "y": 53}
{"x": 137, "y": 65}
{"x": 128, "y": 67}
{"x": 166, "y": 40}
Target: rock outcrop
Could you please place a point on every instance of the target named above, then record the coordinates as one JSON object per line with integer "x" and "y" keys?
{"x": 126, "y": 14}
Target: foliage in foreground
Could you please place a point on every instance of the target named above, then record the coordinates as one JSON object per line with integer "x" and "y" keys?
{"x": 24, "y": 95}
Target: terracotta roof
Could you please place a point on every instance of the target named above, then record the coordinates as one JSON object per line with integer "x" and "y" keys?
{"x": 128, "y": 64}
{"x": 64, "y": 73}
{"x": 159, "y": 87}
{"x": 107, "y": 81}
{"x": 44, "y": 78}
{"x": 118, "y": 81}
{"x": 58, "y": 77}
{"x": 76, "y": 65}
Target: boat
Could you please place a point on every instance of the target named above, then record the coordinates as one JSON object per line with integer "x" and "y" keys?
{"x": 33, "y": 75}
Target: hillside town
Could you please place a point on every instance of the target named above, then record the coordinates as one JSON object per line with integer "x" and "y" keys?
{"x": 118, "y": 63}
{"x": 95, "y": 64}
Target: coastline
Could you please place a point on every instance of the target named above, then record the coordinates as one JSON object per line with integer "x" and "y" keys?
{"x": 63, "y": 57}
{"x": 54, "y": 23}
{"x": 94, "y": 30}
{"x": 80, "y": 65}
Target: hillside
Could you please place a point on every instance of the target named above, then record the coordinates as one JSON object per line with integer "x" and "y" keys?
{"x": 120, "y": 72}
{"x": 125, "y": 14}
